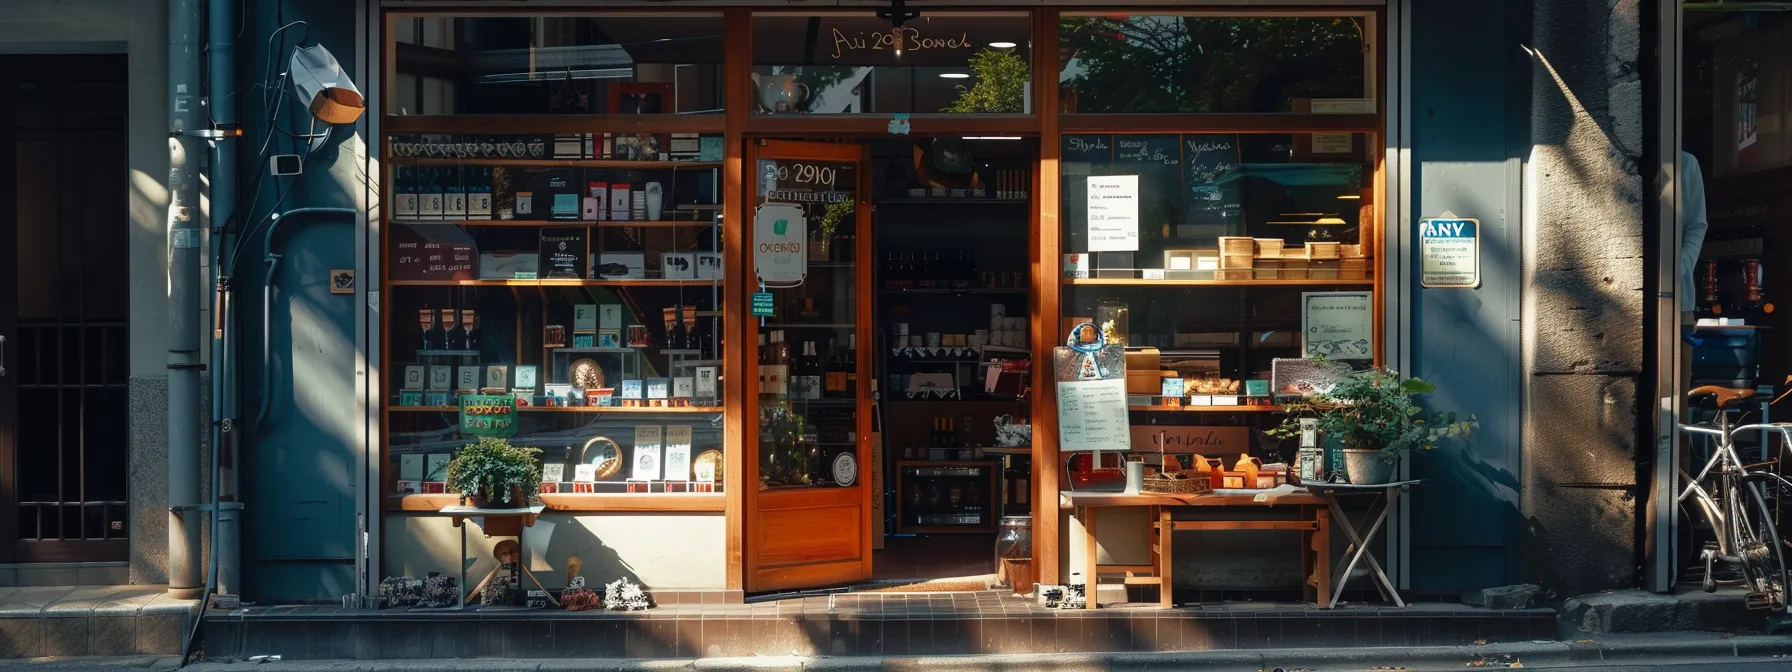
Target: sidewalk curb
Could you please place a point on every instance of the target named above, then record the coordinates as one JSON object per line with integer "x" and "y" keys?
{"x": 1675, "y": 646}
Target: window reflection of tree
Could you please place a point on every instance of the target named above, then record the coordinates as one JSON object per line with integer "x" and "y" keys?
{"x": 1195, "y": 64}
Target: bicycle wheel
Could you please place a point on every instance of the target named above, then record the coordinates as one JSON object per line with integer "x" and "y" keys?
{"x": 1760, "y": 549}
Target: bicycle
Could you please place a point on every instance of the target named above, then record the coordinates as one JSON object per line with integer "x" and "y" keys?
{"x": 1738, "y": 514}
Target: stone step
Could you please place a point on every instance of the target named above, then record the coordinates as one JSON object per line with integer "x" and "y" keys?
{"x": 857, "y": 625}
{"x": 91, "y": 621}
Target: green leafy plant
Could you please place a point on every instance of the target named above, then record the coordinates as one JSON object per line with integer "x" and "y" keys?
{"x": 492, "y": 468}
{"x": 1001, "y": 84}
{"x": 1376, "y": 409}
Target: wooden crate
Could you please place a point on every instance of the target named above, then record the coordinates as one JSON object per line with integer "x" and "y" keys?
{"x": 1269, "y": 248}
{"x": 1322, "y": 250}
{"x": 1231, "y": 246}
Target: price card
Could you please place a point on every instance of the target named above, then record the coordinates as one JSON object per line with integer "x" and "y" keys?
{"x": 678, "y": 452}
{"x": 647, "y": 453}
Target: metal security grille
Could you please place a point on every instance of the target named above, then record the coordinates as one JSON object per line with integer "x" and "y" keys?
{"x": 64, "y": 150}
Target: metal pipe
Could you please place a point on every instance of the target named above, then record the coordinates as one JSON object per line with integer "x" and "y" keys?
{"x": 221, "y": 96}
{"x": 267, "y": 300}
{"x": 183, "y": 299}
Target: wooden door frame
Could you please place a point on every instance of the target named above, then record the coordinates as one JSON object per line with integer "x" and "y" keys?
{"x": 837, "y": 572}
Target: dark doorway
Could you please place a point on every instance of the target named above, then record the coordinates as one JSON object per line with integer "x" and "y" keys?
{"x": 64, "y": 308}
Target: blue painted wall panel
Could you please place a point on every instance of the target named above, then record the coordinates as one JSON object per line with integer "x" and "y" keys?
{"x": 1470, "y": 97}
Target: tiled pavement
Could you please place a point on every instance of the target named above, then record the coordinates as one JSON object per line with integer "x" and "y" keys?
{"x": 90, "y": 621}
{"x": 851, "y": 624}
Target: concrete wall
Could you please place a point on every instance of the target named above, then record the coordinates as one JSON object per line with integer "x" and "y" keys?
{"x": 139, "y": 29}
{"x": 672, "y": 551}
{"x": 1583, "y": 304}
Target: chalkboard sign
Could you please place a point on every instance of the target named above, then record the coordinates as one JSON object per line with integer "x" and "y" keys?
{"x": 563, "y": 253}
{"x": 1213, "y": 198}
{"x": 1092, "y": 149}
{"x": 1150, "y": 150}
{"x": 432, "y": 252}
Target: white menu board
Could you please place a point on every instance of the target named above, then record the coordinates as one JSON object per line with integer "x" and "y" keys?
{"x": 1092, "y": 415}
{"x": 1337, "y": 325}
{"x": 1113, "y": 213}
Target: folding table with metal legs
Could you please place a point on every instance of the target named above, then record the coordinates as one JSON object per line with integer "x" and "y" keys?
{"x": 1359, "y": 538}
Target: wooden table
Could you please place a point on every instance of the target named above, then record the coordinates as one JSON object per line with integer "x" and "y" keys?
{"x": 1314, "y": 526}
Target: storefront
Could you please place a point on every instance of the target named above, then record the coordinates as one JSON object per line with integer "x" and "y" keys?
{"x": 773, "y": 290}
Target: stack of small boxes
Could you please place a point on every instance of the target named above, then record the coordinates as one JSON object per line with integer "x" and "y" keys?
{"x": 1242, "y": 258}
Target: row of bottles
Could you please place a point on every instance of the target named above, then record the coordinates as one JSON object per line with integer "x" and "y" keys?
{"x": 451, "y": 331}
{"x": 1732, "y": 288}
{"x": 442, "y": 191}
{"x": 808, "y": 375}
{"x": 945, "y": 497}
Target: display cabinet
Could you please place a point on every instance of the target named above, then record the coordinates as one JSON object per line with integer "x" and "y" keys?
{"x": 574, "y": 280}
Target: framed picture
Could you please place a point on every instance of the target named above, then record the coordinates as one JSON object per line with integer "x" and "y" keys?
{"x": 639, "y": 98}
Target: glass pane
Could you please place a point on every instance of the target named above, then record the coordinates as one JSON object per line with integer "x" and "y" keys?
{"x": 1222, "y": 207}
{"x": 859, "y": 63}
{"x": 562, "y": 64}
{"x": 586, "y": 289}
{"x": 807, "y": 359}
{"x": 1196, "y": 64}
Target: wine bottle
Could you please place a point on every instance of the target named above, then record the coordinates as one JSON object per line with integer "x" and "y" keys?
{"x": 852, "y": 366}
{"x": 676, "y": 335}
{"x": 426, "y": 319}
{"x": 470, "y": 322}
{"x": 811, "y": 364}
{"x": 448, "y": 329}
{"x": 835, "y": 374}
{"x": 454, "y": 334}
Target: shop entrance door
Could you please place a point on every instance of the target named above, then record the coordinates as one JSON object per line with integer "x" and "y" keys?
{"x": 808, "y": 495}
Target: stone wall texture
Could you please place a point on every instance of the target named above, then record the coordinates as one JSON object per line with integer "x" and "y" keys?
{"x": 1583, "y": 297}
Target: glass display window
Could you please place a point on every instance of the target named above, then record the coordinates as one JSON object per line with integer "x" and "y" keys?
{"x": 558, "y": 64}
{"x": 962, "y": 63}
{"x": 563, "y": 291}
{"x": 1198, "y": 63}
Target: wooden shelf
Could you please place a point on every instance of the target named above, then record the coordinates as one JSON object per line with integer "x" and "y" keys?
{"x": 1136, "y": 282}
{"x": 553, "y": 223}
{"x": 611, "y": 164}
{"x": 968, "y": 290}
{"x": 553, "y": 283}
{"x": 580, "y": 501}
{"x": 569, "y": 409}
{"x": 1206, "y": 409}
{"x": 946, "y": 200}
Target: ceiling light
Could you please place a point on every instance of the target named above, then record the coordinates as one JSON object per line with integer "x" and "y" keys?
{"x": 1350, "y": 197}
{"x": 991, "y": 137}
{"x": 1002, "y": 45}
{"x": 954, "y": 75}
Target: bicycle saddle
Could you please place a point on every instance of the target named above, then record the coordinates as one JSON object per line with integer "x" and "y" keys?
{"x": 1724, "y": 396}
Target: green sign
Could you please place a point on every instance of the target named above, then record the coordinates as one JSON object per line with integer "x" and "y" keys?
{"x": 492, "y": 415}
{"x": 762, "y": 304}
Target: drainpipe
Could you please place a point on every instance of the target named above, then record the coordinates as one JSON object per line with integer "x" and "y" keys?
{"x": 221, "y": 93}
{"x": 183, "y": 299}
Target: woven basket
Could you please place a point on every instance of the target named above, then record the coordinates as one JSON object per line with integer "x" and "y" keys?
{"x": 1157, "y": 484}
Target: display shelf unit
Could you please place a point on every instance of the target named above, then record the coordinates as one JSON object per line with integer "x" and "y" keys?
{"x": 1137, "y": 282}
{"x": 561, "y": 223}
{"x": 554, "y": 282}
{"x": 607, "y": 164}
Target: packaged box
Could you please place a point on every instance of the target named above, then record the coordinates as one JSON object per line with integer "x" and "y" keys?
{"x": 1269, "y": 248}
{"x": 495, "y": 376}
{"x": 678, "y": 266}
{"x": 1235, "y": 246}
{"x": 709, "y": 266}
{"x": 619, "y": 201}
{"x": 509, "y": 265}
{"x": 620, "y": 266}
{"x": 467, "y": 379}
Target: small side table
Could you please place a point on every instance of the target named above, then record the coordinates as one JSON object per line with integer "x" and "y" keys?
{"x": 519, "y": 518}
{"x": 1359, "y": 538}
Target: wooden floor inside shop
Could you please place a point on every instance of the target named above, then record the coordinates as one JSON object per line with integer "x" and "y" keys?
{"x": 942, "y": 562}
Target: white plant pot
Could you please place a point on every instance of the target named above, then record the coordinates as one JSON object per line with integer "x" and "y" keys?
{"x": 655, "y": 198}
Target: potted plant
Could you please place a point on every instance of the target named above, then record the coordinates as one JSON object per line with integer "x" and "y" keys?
{"x": 493, "y": 472}
{"x": 1372, "y": 414}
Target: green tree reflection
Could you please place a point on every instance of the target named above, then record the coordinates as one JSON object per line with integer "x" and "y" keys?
{"x": 1194, "y": 64}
